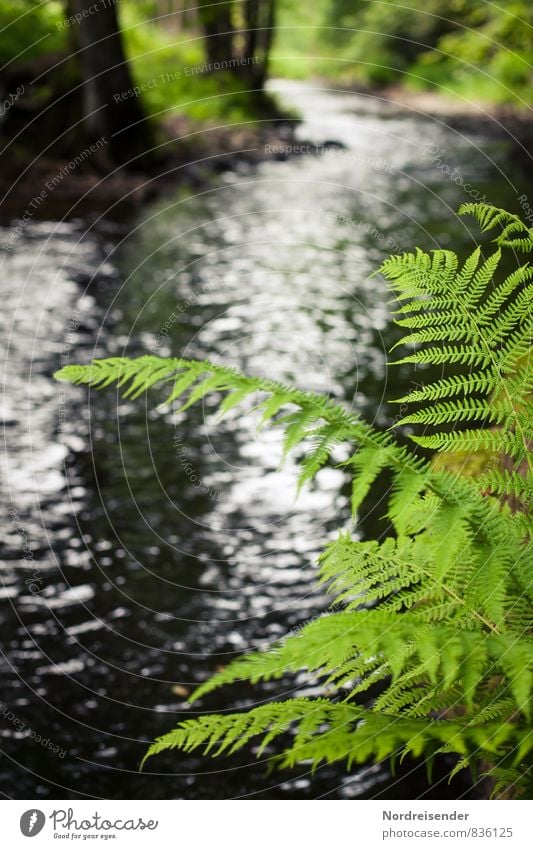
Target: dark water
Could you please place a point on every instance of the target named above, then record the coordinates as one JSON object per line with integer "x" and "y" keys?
{"x": 143, "y": 549}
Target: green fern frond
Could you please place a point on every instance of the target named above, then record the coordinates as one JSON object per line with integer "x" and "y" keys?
{"x": 328, "y": 732}
{"x": 316, "y": 418}
{"x": 228, "y": 733}
{"x": 322, "y": 440}
{"x": 382, "y": 735}
{"x": 474, "y": 440}
{"x": 461, "y": 384}
{"x": 367, "y": 463}
{"x": 325, "y": 643}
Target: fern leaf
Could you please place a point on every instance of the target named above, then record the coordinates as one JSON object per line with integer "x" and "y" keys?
{"x": 515, "y": 234}
{"x": 432, "y": 625}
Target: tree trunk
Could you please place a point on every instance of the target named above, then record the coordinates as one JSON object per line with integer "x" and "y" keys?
{"x": 217, "y": 24}
{"x": 109, "y": 111}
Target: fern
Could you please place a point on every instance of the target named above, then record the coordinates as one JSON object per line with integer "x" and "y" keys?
{"x": 469, "y": 317}
{"x": 435, "y": 618}
{"x": 515, "y": 234}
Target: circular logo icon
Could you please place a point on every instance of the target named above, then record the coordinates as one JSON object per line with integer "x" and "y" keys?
{"x": 32, "y": 822}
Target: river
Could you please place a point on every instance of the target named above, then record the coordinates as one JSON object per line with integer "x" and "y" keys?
{"x": 142, "y": 549}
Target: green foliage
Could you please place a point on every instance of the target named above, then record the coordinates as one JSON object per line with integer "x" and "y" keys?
{"x": 467, "y": 316}
{"x": 169, "y": 62}
{"x": 491, "y": 54}
{"x": 430, "y": 627}
{"x": 327, "y": 731}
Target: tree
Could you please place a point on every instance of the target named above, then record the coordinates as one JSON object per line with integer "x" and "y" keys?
{"x": 110, "y": 109}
